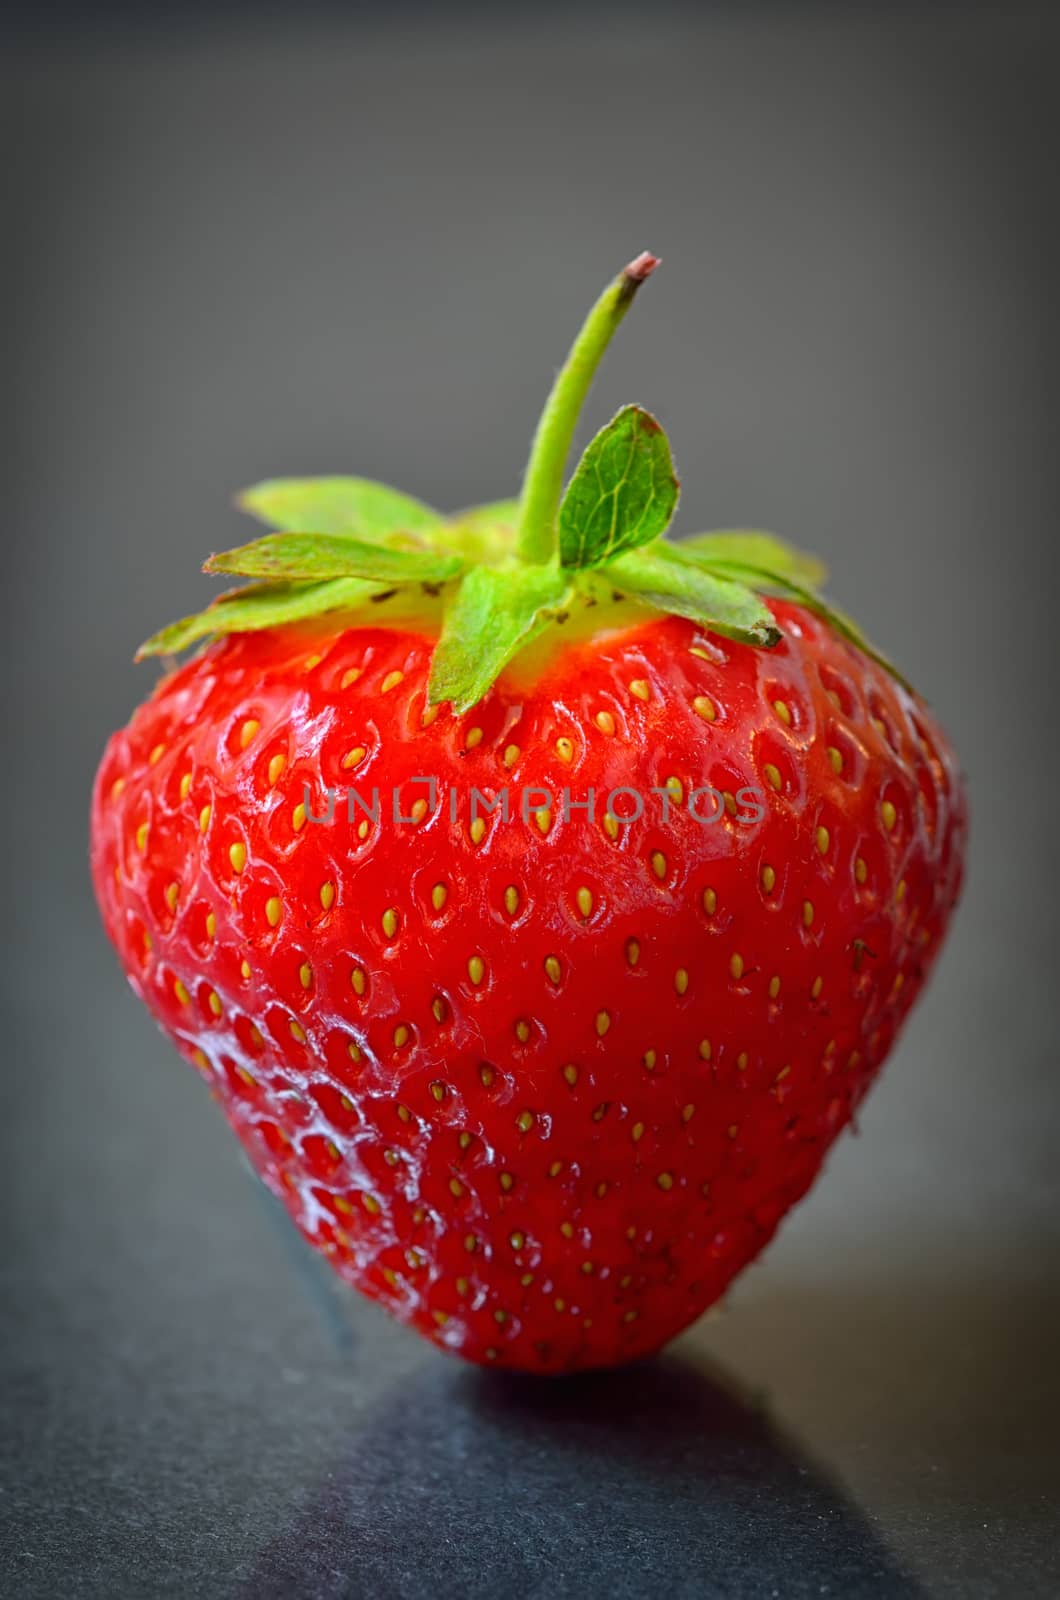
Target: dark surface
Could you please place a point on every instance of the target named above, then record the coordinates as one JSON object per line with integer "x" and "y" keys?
{"x": 342, "y": 246}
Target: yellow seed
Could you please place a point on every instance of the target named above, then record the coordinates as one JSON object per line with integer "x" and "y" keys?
{"x": 462, "y": 1286}
{"x": 555, "y": 1169}
{"x": 640, "y": 688}
{"x": 522, "y": 1031}
{"x": 391, "y": 681}
{"x": 439, "y": 1009}
{"x": 560, "y": 1305}
{"x": 507, "y": 1182}
{"x": 470, "y": 1243}
{"x": 650, "y": 1057}
{"x": 185, "y": 785}
{"x": 276, "y": 766}
{"x": 305, "y": 975}
{"x": 478, "y": 830}
{"x": 156, "y": 755}
{"x": 524, "y": 1121}
{"x": 567, "y": 1230}
{"x": 213, "y": 999}
{"x": 774, "y": 987}
{"x": 511, "y": 755}
{"x": 247, "y": 1077}
{"x": 419, "y": 810}
{"x": 181, "y": 992}
{"x": 349, "y": 678}
{"x": 783, "y": 711}
{"x": 311, "y": 661}
{"x": 401, "y": 1036}
{"x": 211, "y": 924}
{"x": 769, "y": 879}
{"x": 585, "y": 902}
{"x": 637, "y": 1132}
{"x": 511, "y": 899}
{"x": 603, "y": 1022}
{"x": 204, "y": 818}
{"x": 297, "y": 1031}
{"x": 358, "y": 980}
{"x": 371, "y": 1204}
{"x": 298, "y": 817}
{"x": 119, "y": 784}
{"x": 736, "y": 965}
{"x": 244, "y": 967}
{"x": 172, "y": 895}
{"x": 390, "y": 922}
{"x": 835, "y": 759}
{"x": 807, "y": 913}
{"x": 474, "y": 738}
{"x": 456, "y": 1188}
{"x": 675, "y": 790}
{"x": 704, "y": 1049}
{"x": 588, "y": 1268}
{"x": 354, "y": 757}
{"x": 571, "y": 1075}
{"x": 681, "y": 980}
{"x": 327, "y": 895}
{"x": 543, "y": 818}
{"x": 605, "y": 722}
{"x": 438, "y": 896}
{"x": 429, "y": 715}
{"x": 900, "y": 888}
{"x": 658, "y": 863}
{"x": 404, "y": 1114}
{"x": 553, "y": 970}
{"x": 632, "y": 952}
{"x": 476, "y": 969}
{"x": 273, "y": 910}
{"x": 486, "y": 1075}
{"x": 773, "y": 777}
{"x": 861, "y": 871}
{"x": 247, "y": 732}
{"x": 565, "y": 749}
{"x": 889, "y": 815}
{"x": 741, "y": 1061}
{"x": 823, "y": 840}
{"x": 710, "y": 902}
{"x": 665, "y": 1180}
{"x": 704, "y": 707}
{"x": 141, "y": 837}
{"x": 237, "y": 855}
{"x": 516, "y": 1240}
{"x": 816, "y": 987}
{"x": 687, "y": 1113}
{"x": 438, "y": 1092}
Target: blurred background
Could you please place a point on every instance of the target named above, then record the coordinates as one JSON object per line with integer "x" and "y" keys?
{"x": 259, "y": 240}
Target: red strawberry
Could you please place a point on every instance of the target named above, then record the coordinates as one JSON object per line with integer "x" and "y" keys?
{"x": 540, "y": 1084}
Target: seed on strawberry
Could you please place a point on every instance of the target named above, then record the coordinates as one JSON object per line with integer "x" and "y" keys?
{"x": 539, "y": 897}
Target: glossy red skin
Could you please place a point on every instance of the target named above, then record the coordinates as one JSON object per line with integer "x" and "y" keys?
{"x": 595, "y": 1229}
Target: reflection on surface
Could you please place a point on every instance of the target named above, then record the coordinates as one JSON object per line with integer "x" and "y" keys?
{"x": 658, "y": 1477}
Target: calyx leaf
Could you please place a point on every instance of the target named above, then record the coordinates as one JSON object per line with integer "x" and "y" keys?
{"x": 494, "y": 613}
{"x": 661, "y": 578}
{"x": 354, "y": 506}
{"x": 623, "y": 492}
{"x": 257, "y": 606}
{"x": 322, "y": 555}
{"x": 753, "y": 551}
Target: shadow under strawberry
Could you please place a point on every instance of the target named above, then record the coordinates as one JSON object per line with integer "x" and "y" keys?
{"x": 660, "y": 1478}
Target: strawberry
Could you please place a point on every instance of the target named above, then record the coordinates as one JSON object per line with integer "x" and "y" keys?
{"x": 538, "y": 897}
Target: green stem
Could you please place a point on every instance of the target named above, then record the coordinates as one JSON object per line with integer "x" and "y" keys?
{"x": 543, "y": 483}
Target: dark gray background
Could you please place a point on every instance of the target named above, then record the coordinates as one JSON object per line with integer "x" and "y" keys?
{"x": 323, "y": 242}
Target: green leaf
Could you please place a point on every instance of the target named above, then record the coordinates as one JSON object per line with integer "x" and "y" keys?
{"x": 494, "y": 613}
{"x": 622, "y": 494}
{"x": 354, "y": 506}
{"x": 845, "y": 626}
{"x": 661, "y": 578}
{"x": 752, "y": 550}
{"x": 321, "y": 555}
{"x": 256, "y": 606}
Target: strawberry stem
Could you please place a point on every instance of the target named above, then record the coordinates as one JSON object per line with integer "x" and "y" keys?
{"x": 543, "y": 483}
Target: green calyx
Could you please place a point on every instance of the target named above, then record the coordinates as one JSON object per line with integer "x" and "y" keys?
{"x": 504, "y": 574}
